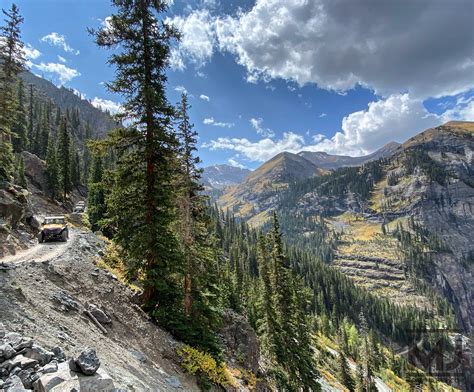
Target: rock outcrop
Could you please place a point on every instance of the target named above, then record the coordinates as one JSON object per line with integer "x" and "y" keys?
{"x": 26, "y": 366}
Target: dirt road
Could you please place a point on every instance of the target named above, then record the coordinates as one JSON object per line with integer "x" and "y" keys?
{"x": 42, "y": 252}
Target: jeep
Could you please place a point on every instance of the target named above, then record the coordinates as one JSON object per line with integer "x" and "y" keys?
{"x": 53, "y": 228}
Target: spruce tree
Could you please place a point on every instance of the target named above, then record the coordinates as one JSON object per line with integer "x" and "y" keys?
{"x": 268, "y": 327}
{"x": 12, "y": 63}
{"x": 52, "y": 170}
{"x": 200, "y": 297}
{"x": 64, "y": 159}
{"x": 31, "y": 122}
{"x": 20, "y": 139}
{"x": 96, "y": 208}
{"x": 21, "y": 174}
{"x": 141, "y": 202}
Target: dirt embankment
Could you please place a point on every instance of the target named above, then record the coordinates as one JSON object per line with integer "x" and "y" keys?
{"x": 45, "y": 293}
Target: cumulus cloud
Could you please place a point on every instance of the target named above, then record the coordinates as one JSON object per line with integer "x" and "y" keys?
{"x": 387, "y": 46}
{"x": 106, "y": 105}
{"x": 211, "y": 121}
{"x": 61, "y": 59}
{"x": 235, "y": 163}
{"x": 198, "y": 39}
{"x": 463, "y": 109}
{"x": 395, "y": 118}
{"x": 257, "y": 125}
{"x": 204, "y": 97}
{"x": 30, "y": 52}
{"x": 181, "y": 89}
{"x": 59, "y": 40}
{"x": 62, "y": 72}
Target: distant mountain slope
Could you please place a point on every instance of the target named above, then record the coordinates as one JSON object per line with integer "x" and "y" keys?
{"x": 329, "y": 161}
{"x": 263, "y": 182}
{"x": 221, "y": 176}
{"x": 406, "y": 220}
{"x": 65, "y": 98}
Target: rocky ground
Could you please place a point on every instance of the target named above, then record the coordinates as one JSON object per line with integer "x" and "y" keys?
{"x": 55, "y": 294}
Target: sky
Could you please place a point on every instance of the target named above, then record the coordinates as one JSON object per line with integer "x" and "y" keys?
{"x": 266, "y": 76}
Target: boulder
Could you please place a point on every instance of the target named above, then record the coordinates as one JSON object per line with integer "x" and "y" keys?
{"x": 35, "y": 170}
{"x": 99, "y": 314}
{"x": 12, "y": 338}
{"x": 6, "y": 351}
{"x": 66, "y": 380}
{"x": 88, "y": 362}
{"x": 240, "y": 341}
{"x": 24, "y": 362}
{"x": 59, "y": 354}
{"x": 49, "y": 368}
{"x": 14, "y": 384}
{"x": 3, "y": 331}
{"x": 38, "y": 353}
{"x": 13, "y": 204}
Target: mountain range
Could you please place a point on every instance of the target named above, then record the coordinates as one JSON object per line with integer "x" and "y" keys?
{"x": 423, "y": 187}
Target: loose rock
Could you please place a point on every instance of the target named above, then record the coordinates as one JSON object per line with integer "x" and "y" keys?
{"x": 99, "y": 314}
{"x": 6, "y": 351}
{"x": 88, "y": 361}
{"x": 38, "y": 353}
{"x": 14, "y": 384}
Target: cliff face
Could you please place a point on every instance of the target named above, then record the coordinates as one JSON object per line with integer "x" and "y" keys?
{"x": 447, "y": 210}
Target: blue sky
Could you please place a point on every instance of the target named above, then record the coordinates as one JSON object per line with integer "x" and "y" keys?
{"x": 339, "y": 76}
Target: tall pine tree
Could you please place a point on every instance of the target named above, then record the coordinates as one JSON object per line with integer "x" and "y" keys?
{"x": 141, "y": 204}
{"x": 64, "y": 159}
{"x": 12, "y": 63}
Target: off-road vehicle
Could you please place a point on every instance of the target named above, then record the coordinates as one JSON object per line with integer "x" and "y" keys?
{"x": 54, "y": 228}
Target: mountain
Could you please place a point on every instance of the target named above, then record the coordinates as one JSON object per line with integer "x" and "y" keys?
{"x": 100, "y": 122}
{"x": 329, "y": 161}
{"x": 401, "y": 227}
{"x": 270, "y": 177}
{"x": 221, "y": 176}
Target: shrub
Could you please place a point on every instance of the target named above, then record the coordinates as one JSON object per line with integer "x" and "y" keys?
{"x": 205, "y": 367}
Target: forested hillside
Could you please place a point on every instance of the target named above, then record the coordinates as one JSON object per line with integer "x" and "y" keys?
{"x": 336, "y": 271}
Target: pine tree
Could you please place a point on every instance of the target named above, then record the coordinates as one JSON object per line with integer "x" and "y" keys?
{"x": 31, "y": 122}
{"x": 281, "y": 289}
{"x": 96, "y": 208}
{"x": 140, "y": 205}
{"x": 200, "y": 298}
{"x": 344, "y": 372}
{"x": 12, "y": 63}
{"x": 64, "y": 159}
{"x": 268, "y": 328}
{"x": 52, "y": 170}
{"x": 21, "y": 174}
{"x": 20, "y": 139}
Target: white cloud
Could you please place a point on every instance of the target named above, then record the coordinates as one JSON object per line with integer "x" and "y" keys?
{"x": 211, "y": 121}
{"x": 257, "y": 125}
{"x": 204, "y": 97}
{"x": 235, "y": 163}
{"x": 181, "y": 89}
{"x": 389, "y": 47}
{"x": 31, "y": 53}
{"x": 322, "y": 115}
{"x": 462, "y": 110}
{"x": 59, "y": 40}
{"x": 63, "y": 73}
{"x": 261, "y": 150}
{"x": 61, "y": 59}
{"x": 198, "y": 39}
{"x": 106, "y": 105}
{"x": 396, "y": 118}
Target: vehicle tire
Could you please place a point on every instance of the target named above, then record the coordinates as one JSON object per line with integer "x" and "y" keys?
{"x": 64, "y": 236}
{"x": 41, "y": 238}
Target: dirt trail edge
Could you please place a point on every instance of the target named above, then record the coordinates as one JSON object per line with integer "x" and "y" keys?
{"x": 46, "y": 293}
{"x": 42, "y": 252}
